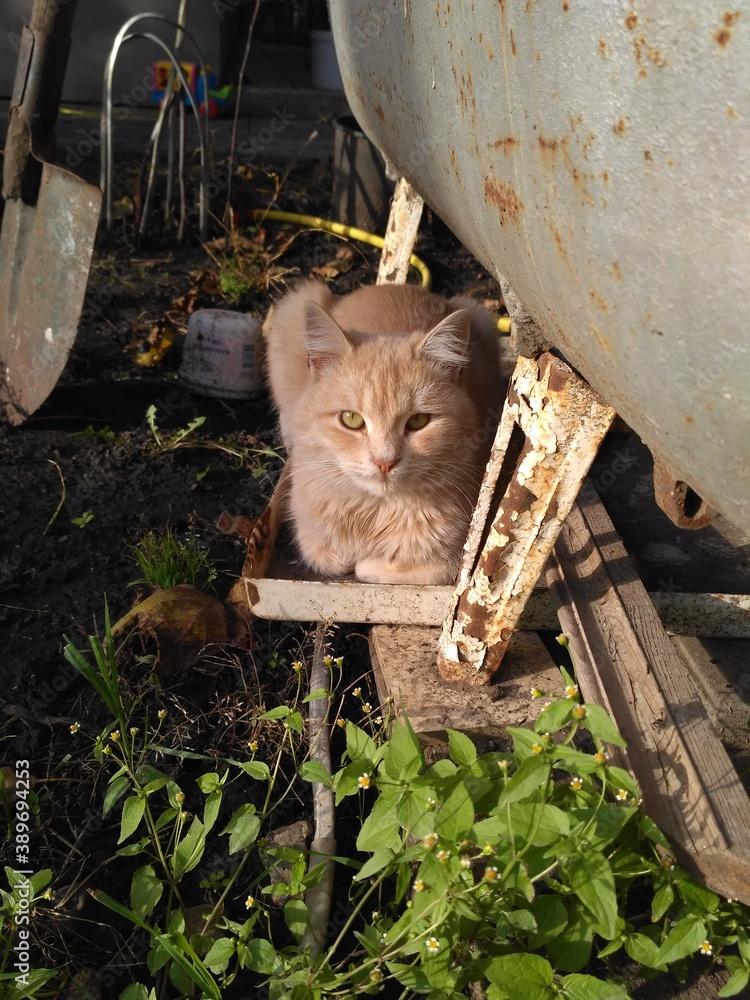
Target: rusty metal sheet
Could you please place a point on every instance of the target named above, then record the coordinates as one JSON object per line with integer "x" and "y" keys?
{"x": 593, "y": 157}
{"x": 550, "y": 430}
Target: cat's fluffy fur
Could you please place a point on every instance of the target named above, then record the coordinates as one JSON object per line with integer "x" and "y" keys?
{"x": 389, "y": 504}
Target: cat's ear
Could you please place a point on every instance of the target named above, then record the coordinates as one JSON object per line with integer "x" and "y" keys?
{"x": 448, "y": 342}
{"x": 325, "y": 338}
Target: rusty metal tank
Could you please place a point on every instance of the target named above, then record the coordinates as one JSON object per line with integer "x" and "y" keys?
{"x": 595, "y": 156}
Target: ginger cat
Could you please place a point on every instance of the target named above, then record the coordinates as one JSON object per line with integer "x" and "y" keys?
{"x": 388, "y": 400}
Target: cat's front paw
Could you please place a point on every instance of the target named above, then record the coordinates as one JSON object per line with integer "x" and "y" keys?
{"x": 378, "y": 570}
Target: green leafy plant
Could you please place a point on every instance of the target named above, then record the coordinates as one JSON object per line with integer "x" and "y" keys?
{"x": 83, "y": 520}
{"x": 165, "y": 560}
{"x": 19, "y": 977}
{"x": 515, "y": 869}
{"x": 103, "y": 433}
{"x": 255, "y": 457}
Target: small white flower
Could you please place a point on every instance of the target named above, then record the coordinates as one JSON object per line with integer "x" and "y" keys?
{"x": 75, "y": 727}
{"x": 571, "y": 691}
{"x": 621, "y": 795}
{"x": 432, "y": 944}
{"x": 418, "y": 885}
{"x": 576, "y": 783}
{"x": 364, "y": 780}
{"x": 443, "y": 856}
{"x": 491, "y": 873}
{"x": 357, "y": 692}
{"x": 430, "y": 841}
{"x": 706, "y": 949}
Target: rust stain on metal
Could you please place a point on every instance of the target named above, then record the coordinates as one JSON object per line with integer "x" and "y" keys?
{"x": 596, "y": 297}
{"x": 620, "y": 127}
{"x": 723, "y": 36}
{"x": 454, "y": 164}
{"x": 505, "y": 200}
{"x": 549, "y": 147}
{"x": 566, "y": 6}
{"x": 507, "y": 143}
{"x": 603, "y": 47}
{"x": 512, "y": 42}
{"x": 380, "y": 113}
{"x": 731, "y": 113}
{"x": 560, "y": 245}
{"x": 601, "y": 339}
{"x": 643, "y": 50}
{"x": 615, "y": 269}
{"x": 647, "y": 156}
{"x": 680, "y": 503}
{"x": 631, "y": 20}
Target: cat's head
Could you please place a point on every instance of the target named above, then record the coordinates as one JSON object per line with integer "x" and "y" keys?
{"x": 390, "y": 411}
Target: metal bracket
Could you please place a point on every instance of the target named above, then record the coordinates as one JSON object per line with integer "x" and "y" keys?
{"x": 549, "y": 434}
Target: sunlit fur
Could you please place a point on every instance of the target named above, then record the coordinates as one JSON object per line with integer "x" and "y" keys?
{"x": 385, "y": 352}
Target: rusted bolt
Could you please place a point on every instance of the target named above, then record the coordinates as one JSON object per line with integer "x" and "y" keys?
{"x": 679, "y": 501}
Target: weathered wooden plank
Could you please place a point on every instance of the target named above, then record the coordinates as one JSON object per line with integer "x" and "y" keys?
{"x": 624, "y": 661}
{"x": 404, "y": 663}
{"x": 400, "y": 234}
{"x": 314, "y": 600}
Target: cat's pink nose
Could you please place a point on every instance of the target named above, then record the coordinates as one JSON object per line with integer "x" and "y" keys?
{"x": 386, "y": 466}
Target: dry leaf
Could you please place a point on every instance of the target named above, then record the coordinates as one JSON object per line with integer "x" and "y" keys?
{"x": 184, "y": 304}
{"x": 182, "y": 620}
{"x": 341, "y": 263}
{"x": 160, "y": 338}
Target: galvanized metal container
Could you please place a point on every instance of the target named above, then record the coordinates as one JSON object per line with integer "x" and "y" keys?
{"x": 595, "y": 156}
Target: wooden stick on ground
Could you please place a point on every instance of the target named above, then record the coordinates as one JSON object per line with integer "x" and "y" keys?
{"x": 401, "y": 234}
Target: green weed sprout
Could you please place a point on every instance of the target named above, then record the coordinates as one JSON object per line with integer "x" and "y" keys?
{"x": 165, "y": 561}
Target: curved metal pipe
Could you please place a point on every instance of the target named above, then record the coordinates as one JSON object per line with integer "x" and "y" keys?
{"x": 106, "y": 116}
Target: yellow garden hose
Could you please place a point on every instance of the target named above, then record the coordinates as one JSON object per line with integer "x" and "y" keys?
{"x": 351, "y": 232}
{"x": 339, "y": 229}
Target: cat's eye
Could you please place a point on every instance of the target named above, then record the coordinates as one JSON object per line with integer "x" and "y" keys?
{"x": 417, "y": 421}
{"x": 354, "y": 421}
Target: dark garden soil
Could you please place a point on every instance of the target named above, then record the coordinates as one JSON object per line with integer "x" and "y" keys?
{"x": 81, "y": 482}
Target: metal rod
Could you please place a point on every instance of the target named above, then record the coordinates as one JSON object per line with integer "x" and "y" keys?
{"x": 106, "y": 115}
